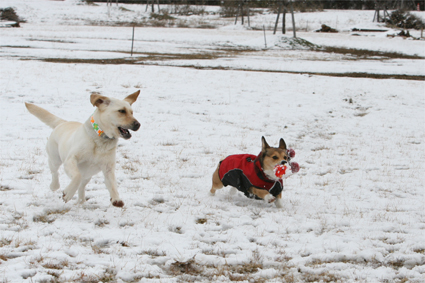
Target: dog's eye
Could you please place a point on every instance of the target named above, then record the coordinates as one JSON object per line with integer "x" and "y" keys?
{"x": 275, "y": 157}
{"x": 122, "y": 111}
{"x": 286, "y": 158}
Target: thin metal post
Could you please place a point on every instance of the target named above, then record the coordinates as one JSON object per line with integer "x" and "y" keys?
{"x": 293, "y": 19}
{"x": 247, "y": 10}
{"x": 277, "y": 19}
{"x": 132, "y": 42}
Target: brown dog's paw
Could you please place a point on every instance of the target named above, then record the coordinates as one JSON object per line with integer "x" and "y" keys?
{"x": 118, "y": 203}
{"x": 269, "y": 198}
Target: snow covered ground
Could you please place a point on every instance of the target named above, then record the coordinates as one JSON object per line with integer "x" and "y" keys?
{"x": 354, "y": 213}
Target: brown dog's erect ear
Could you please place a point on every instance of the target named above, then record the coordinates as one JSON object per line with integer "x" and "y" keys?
{"x": 132, "y": 97}
{"x": 97, "y": 100}
{"x": 265, "y": 145}
{"x": 282, "y": 144}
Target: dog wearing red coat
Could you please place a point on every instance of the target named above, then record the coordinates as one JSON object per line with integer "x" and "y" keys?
{"x": 253, "y": 174}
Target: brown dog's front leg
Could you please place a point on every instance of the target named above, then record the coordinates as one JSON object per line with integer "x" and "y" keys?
{"x": 263, "y": 194}
{"x": 279, "y": 203}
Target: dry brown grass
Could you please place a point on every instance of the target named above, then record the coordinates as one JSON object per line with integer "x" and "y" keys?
{"x": 5, "y": 188}
{"x": 365, "y": 54}
{"x": 142, "y": 58}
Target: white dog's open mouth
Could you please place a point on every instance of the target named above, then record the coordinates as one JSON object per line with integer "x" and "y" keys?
{"x": 125, "y": 134}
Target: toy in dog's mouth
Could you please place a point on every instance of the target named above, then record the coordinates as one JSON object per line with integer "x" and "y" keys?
{"x": 287, "y": 169}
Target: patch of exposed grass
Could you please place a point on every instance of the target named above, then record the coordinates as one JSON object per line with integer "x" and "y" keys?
{"x": 5, "y": 188}
{"x": 48, "y": 215}
{"x": 3, "y": 257}
{"x": 154, "y": 253}
{"x": 125, "y": 9}
{"x": 324, "y": 276}
{"x": 319, "y": 148}
{"x": 56, "y": 265}
{"x": 201, "y": 221}
{"x": 50, "y": 40}
{"x": 367, "y": 54}
{"x": 134, "y": 61}
{"x": 151, "y": 58}
{"x": 5, "y": 242}
{"x": 191, "y": 271}
{"x": 162, "y": 17}
{"x": 101, "y": 222}
{"x": 189, "y": 267}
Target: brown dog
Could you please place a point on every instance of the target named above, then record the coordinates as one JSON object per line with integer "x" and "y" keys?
{"x": 253, "y": 175}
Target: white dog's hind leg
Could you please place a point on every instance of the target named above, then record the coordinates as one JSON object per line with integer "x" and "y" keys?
{"x": 82, "y": 191}
{"x": 111, "y": 185}
{"x": 54, "y": 163}
{"x": 71, "y": 169}
{"x": 54, "y": 167}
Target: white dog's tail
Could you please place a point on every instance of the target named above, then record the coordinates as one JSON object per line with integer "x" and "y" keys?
{"x": 45, "y": 116}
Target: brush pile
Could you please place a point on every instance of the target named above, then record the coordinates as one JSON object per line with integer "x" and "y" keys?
{"x": 9, "y": 14}
{"x": 406, "y": 20}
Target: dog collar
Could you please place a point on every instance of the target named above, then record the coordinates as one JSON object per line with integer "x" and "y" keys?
{"x": 97, "y": 129}
{"x": 259, "y": 170}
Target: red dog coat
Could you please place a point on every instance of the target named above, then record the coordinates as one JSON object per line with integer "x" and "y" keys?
{"x": 243, "y": 171}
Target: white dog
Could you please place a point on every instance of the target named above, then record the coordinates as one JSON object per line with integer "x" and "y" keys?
{"x": 86, "y": 149}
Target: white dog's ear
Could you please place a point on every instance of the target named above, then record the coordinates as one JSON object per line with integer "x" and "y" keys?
{"x": 98, "y": 100}
{"x": 132, "y": 97}
{"x": 265, "y": 145}
{"x": 282, "y": 144}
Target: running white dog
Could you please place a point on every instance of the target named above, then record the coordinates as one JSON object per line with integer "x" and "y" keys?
{"x": 86, "y": 149}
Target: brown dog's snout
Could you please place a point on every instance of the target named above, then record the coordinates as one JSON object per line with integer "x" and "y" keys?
{"x": 135, "y": 126}
{"x": 283, "y": 162}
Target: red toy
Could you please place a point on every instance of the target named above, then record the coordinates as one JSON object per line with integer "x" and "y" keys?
{"x": 281, "y": 171}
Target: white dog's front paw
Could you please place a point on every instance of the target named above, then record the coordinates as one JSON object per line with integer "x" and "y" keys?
{"x": 67, "y": 196}
{"x": 117, "y": 203}
{"x": 269, "y": 198}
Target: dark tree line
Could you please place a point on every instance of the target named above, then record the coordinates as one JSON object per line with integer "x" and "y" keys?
{"x": 299, "y": 5}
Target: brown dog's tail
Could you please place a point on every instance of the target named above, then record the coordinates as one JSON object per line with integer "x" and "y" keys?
{"x": 45, "y": 116}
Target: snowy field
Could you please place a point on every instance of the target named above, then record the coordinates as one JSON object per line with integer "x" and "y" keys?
{"x": 354, "y": 213}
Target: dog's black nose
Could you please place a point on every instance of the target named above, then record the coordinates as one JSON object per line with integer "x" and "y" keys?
{"x": 136, "y": 126}
{"x": 283, "y": 162}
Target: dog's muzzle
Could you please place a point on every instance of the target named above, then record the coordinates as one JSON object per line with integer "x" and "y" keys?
{"x": 125, "y": 133}
{"x": 135, "y": 126}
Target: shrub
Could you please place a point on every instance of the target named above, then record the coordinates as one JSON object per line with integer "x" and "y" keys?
{"x": 228, "y": 8}
{"x": 405, "y": 20}
{"x": 9, "y": 14}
